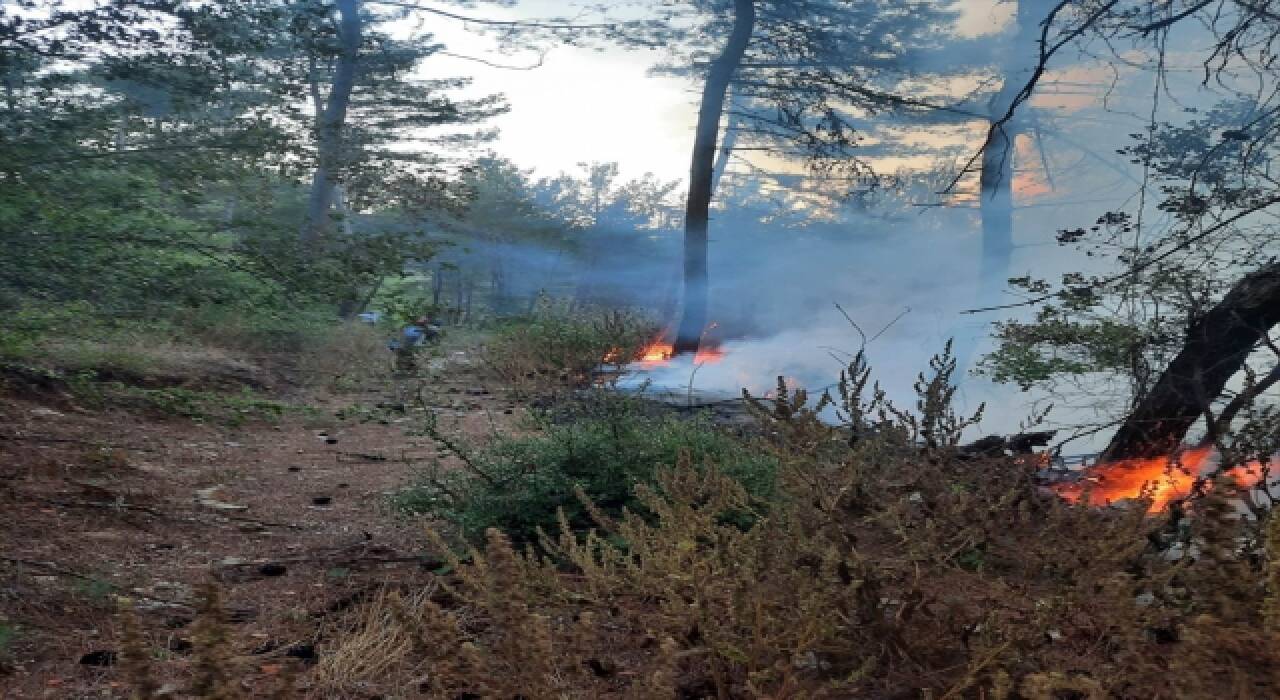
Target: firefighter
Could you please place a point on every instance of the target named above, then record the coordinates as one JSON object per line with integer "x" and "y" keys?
{"x": 405, "y": 345}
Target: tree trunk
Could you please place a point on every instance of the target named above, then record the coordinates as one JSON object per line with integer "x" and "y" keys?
{"x": 330, "y": 123}
{"x": 726, "y": 144}
{"x": 1215, "y": 349}
{"x": 498, "y": 286}
{"x": 996, "y": 178}
{"x": 698, "y": 206}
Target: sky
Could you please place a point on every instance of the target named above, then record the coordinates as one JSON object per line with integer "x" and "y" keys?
{"x": 582, "y": 105}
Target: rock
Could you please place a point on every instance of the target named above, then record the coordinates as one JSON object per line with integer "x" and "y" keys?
{"x": 205, "y": 497}
{"x": 233, "y": 561}
{"x": 305, "y": 652}
{"x": 178, "y": 622}
{"x": 272, "y": 569}
{"x": 102, "y": 657}
{"x": 241, "y": 615}
{"x": 47, "y": 412}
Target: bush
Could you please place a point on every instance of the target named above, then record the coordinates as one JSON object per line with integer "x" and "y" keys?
{"x": 886, "y": 566}
{"x": 258, "y": 330}
{"x": 557, "y": 347}
{"x": 517, "y": 483}
{"x": 350, "y": 355}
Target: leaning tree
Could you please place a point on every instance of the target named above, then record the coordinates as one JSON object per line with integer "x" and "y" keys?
{"x": 1188, "y": 314}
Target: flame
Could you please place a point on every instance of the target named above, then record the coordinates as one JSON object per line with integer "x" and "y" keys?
{"x": 708, "y": 354}
{"x": 661, "y": 351}
{"x": 1163, "y": 479}
{"x": 656, "y": 353}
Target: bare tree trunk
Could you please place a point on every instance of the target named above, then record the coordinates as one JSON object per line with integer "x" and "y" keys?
{"x": 368, "y": 297}
{"x": 498, "y": 286}
{"x": 471, "y": 288}
{"x": 1216, "y": 348}
{"x": 457, "y": 295}
{"x": 330, "y": 123}
{"x": 726, "y": 144}
{"x": 698, "y": 206}
{"x": 998, "y": 166}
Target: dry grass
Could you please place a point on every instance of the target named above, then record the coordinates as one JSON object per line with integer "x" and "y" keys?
{"x": 557, "y": 348}
{"x": 351, "y": 355}
{"x": 890, "y": 566}
{"x": 150, "y": 361}
{"x": 885, "y": 570}
{"x": 375, "y": 643}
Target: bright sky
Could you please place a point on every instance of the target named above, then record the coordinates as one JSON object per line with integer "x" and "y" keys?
{"x": 582, "y": 105}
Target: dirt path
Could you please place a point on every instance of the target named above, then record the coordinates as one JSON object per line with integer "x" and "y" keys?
{"x": 291, "y": 520}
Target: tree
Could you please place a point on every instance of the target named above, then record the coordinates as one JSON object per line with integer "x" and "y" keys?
{"x": 996, "y": 176}
{"x": 802, "y": 75}
{"x": 331, "y": 118}
{"x": 1191, "y": 304}
{"x": 1215, "y": 347}
{"x": 697, "y": 215}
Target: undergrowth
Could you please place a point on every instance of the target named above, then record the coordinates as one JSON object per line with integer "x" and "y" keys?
{"x": 883, "y": 564}
{"x": 555, "y": 347}
{"x": 518, "y": 482}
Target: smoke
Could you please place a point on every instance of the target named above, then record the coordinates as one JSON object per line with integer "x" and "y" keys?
{"x": 901, "y": 281}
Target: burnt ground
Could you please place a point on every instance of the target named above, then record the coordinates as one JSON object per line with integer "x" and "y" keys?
{"x": 290, "y": 518}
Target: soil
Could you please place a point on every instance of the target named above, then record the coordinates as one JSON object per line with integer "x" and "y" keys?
{"x": 291, "y": 520}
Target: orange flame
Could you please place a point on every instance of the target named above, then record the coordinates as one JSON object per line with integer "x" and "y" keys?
{"x": 656, "y": 353}
{"x": 660, "y": 351}
{"x": 1163, "y": 479}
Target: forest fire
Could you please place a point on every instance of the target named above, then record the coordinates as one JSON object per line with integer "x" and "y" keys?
{"x": 1163, "y": 479}
{"x": 661, "y": 350}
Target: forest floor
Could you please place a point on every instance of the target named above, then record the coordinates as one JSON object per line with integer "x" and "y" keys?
{"x": 290, "y": 518}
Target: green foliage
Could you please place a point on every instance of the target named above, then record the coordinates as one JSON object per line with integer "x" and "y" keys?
{"x": 8, "y": 633}
{"x": 517, "y": 483}
{"x": 95, "y": 590}
{"x": 1059, "y": 343}
{"x": 560, "y": 346}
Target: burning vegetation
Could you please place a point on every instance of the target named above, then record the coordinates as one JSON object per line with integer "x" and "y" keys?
{"x": 661, "y": 350}
{"x": 1163, "y": 479}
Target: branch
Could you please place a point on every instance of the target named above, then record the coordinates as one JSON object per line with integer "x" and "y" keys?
{"x": 530, "y": 24}
{"x": 1136, "y": 268}
{"x": 541, "y": 57}
{"x": 1173, "y": 19}
{"x": 1047, "y": 52}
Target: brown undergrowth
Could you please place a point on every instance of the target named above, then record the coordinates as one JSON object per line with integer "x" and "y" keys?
{"x": 889, "y": 567}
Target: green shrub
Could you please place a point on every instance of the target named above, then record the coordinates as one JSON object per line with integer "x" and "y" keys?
{"x": 517, "y": 483}
{"x": 561, "y": 347}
